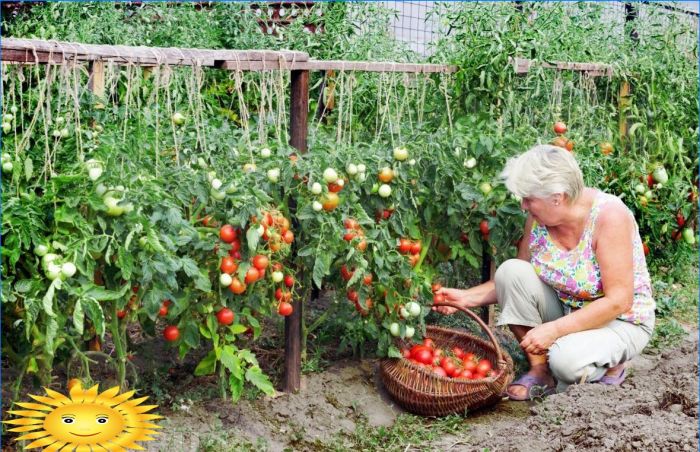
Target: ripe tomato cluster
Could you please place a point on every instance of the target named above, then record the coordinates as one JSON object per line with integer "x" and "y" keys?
{"x": 455, "y": 363}
{"x": 353, "y": 231}
{"x": 412, "y": 248}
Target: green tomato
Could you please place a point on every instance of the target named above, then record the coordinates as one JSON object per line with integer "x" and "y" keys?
{"x": 218, "y": 195}
{"x": 178, "y": 118}
{"x": 688, "y": 236}
{"x": 485, "y": 188}
{"x": 384, "y": 191}
{"x": 48, "y": 258}
{"x": 395, "y": 329}
{"x": 68, "y": 269}
{"x": 660, "y": 175}
{"x": 410, "y": 331}
{"x": 41, "y": 250}
{"x": 316, "y": 188}
{"x": 225, "y": 280}
{"x": 53, "y": 271}
{"x": 400, "y": 154}
{"x": 330, "y": 175}
{"x": 413, "y": 309}
{"x": 7, "y": 167}
{"x": 6, "y": 127}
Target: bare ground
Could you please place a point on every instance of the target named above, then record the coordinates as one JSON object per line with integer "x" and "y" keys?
{"x": 655, "y": 409}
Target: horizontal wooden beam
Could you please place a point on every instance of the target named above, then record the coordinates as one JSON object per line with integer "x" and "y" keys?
{"x": 36, "y": 50}
{"x": 338, "y": 65}
{"x": 56, "y": 52}
{"x": 523, "y": 66}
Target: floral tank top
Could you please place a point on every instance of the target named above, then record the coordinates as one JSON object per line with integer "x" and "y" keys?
{"x": 575, "y": 274}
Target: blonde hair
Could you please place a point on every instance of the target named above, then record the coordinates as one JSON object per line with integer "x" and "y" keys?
{"x": 543, "y": 171}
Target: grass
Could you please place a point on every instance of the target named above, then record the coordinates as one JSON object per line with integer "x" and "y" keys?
{"x": 408, "y": 431}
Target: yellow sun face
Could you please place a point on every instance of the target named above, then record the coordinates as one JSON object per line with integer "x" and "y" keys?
{"x": 84, "y": 424}
{"x": 86, "y": 420}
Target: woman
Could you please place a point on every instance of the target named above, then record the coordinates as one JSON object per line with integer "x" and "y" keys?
{"x": 578, "y": 296}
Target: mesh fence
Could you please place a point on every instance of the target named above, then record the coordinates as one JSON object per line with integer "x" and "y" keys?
{"x": 418, "y": 24}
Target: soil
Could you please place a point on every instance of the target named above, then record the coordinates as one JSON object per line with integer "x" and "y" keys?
{"x": 656, "y": 408}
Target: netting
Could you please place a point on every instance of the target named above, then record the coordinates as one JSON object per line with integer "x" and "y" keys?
{"x": 416, "y": 23}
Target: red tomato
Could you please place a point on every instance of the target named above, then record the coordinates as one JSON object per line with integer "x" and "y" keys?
{"x": 334, "y": 187}
{"x": 449, "y": 366}
{"x": 415, "y": 248}
{"x": 237, "y": 286}
{"x": 423, "y": 356}
{"x": 349, "y": 235}
{"x": 404, "y": 246}
{"x": 288, "y": 280}
{"x": 353, "y": 296}
{"x": 429, "y": 342}
{"x": 458, "y": 352}
{"x": 260, "y": 262}
{"x": 559, "y": 128}
{"x": 386, "y": 175}
{"x": 413, "y": 259}
{"x": 167, "y": 303}
{"x": 171, "y": 333}
{"x": 646, "y": 248}
{"x": 484, "y": 226}
{"x": 386, "y": 213}
{"x": 252, "y": 275}
{"x": 680, "y": 219}
{"x": 650, "y": 180}
{"x": 406, "y": 353}
{"x": 438, "y": 298}
{"x": 439, "y": 371}
{"x": 465, "y": 374}
{"x": 484, "y": 366}
{"x": 288, "y": 237}
{"x": 367, "y": 280}
{"x": 163, "y": 311}
{"x": 418, "y": 347}
{"x": 478, "y": 376}
{"x": 469, "y": 356}
{"x": 225, "y": 316}
{"x": 277, "y": 267}
{"x": 362, "y": 245}
{"x": 345, "y": 273}
{"x": 351, "y": 223}
{"x": 285, "y": 309}
{"x": 121, "y": 314}
{"x": 469, "y": 365}
{"x": 227, "y": 233}
{"x": 228, "y": 265}
{"x": 235, "y": 247}
{"x": 278, "y": 294}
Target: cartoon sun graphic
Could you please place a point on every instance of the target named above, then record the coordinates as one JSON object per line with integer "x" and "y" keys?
{"x": 87, "y": 421}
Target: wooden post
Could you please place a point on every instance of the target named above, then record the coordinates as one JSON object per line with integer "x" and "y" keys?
{"x": 622, "y": 105}
{"x": 96, "y": 82}
{"x": 298, "y": 116}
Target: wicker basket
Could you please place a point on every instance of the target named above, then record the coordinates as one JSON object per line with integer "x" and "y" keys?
{"x": 421, "y": 391}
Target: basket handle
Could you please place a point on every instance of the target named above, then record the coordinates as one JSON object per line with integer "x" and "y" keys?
{"x": 499, "y": 353}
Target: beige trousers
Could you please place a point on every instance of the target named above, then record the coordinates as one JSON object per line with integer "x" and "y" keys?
{"x": 526, "y": 300}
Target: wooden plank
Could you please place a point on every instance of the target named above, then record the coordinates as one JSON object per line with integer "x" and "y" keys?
{"x": 137, "y": 54}
{"x": 298, "y": 124}
{"x": 331, "y": 65}
{"x": 523, "y": 66}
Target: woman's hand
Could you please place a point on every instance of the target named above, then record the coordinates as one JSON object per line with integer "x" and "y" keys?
{"x": 456, "y": 296}
{"x": 538, "y": 340}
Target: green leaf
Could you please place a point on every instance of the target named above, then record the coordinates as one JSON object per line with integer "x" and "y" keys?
{"x": 252, "y": 237}
{"x": 255, "y": 376}
{"x": 248, "y": 357}
{"x": 322, "y": 267}
{"x": 24, "y": 285}
{"x": 95, "y": 313}
{"x": 28, "y": 168}
{"x": 231, "y": 361}
{"x": 237, "y": 328}
{"x": 51, "y": 330}
{"x": 202, "y": 282}
{"x": 191, "y": 335}
{"x": 393, "y": 352}
{"x": 235, "y": 384}
{"x": 204, "y": 332}
{"x": 206, "y": 366}
{"x": 101, "y": 294}
{"x": 190, "y": 267}
{"x": 48, "y": 298}
{"x": 78, "y": 317}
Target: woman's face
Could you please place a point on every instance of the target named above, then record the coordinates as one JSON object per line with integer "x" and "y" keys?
{"x": 546, "y": 211}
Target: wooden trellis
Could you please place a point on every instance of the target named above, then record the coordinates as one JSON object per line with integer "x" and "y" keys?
{"x": 33, "y": 51}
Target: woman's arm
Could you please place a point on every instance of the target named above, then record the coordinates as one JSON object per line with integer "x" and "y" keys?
{"x": 484, "y": 294}
{"x": 613, "y": 250}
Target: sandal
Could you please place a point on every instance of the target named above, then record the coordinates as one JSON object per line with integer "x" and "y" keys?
{"x": 536, "y": 387}
{"x": 614, "y": 381}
